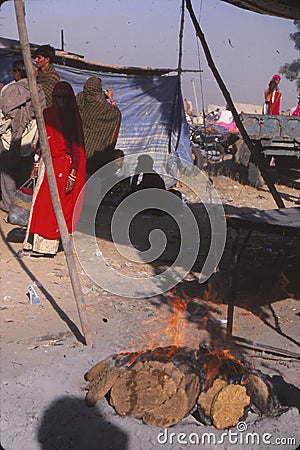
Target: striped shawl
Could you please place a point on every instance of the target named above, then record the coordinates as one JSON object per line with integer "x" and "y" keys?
{"x": 47, "y": 80}
{"x": 101, "y": 120}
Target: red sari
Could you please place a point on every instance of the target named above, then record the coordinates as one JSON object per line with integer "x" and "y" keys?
{"x": 297, "y": 111}
{"x": 273, "y": 101}
{"x": 67, "y": 153}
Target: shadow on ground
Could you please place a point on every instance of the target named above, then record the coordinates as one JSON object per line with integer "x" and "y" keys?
{"x": 69, "y": 424}
{"x": 268, "y": 271}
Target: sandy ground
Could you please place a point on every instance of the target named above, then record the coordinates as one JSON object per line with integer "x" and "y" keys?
{"x": 43, "y": 359}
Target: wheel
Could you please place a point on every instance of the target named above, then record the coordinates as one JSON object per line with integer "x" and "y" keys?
{"x": 215, "y": 154}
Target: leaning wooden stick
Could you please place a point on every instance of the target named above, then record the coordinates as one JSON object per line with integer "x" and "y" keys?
{"x": 257, "y": 157}
{"x": 66, "y": 242}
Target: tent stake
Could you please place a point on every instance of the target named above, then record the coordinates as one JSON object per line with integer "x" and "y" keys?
{"x": 257, "y": 157}
{"x": 66, "y": 242}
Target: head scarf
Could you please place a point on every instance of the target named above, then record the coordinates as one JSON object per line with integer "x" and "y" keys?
{"x": 274, "y": 77}
{"x": 65, "y": 88}
{"x": 68, "y": 124}
{"x": 93, "y": 90}
{"x": 101, "y": 121}
{"x": 72, "y": 117}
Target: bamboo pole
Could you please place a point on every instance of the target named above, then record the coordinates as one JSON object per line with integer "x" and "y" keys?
{"x": 66, "y": 242}
{"x": 179, "y": 69}
{"x": 257, "y": 157}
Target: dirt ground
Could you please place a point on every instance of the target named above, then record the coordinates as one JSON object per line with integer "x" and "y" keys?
{"x": 43, "y": 358}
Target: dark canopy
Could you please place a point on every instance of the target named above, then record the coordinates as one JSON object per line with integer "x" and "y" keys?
{"x": 288, "y": 9}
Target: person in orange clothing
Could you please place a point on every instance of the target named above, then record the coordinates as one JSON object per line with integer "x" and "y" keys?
{"x": 272, "y": 96}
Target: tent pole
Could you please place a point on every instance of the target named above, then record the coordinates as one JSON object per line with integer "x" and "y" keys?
{"x": 179, "y": 68}
{"x": 67, "y": 245}
{"x": 257, "y": 157}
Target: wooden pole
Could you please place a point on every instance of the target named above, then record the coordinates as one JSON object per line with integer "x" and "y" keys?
{"x": 62, "y": 45}
{"x": 66, "y": 242}
{"x": 257, "y": 157}
{"x": 179, "y": 69}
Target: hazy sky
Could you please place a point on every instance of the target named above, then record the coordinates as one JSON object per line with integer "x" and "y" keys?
{"x": 248, "y": 48}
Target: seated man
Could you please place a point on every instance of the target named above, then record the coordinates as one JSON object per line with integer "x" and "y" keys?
{"x": 121, "y": 185}
{"x": 150, "y": 178}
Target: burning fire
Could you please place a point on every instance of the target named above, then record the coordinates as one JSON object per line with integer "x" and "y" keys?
{"x": 177, "y": 331}
{"x": 217, "y": 359}
{"x": 172, "y": 331}
{"x": 182, "y": 327}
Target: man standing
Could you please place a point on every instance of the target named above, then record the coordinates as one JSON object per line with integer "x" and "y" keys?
{"x": 17, "y": 120}
{"x": 46, "y": 75}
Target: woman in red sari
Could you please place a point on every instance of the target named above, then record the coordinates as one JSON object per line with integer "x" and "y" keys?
{"x": 296, "y": 111}
{"x": 272, "y": 96}
{"x": 65, "y": 136}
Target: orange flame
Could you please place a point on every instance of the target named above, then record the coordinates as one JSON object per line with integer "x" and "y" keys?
{"x": 218, "y": 358}
{"x": 177, "y": 321}
{"x": 176, "y": 329}
{"x": 171, "y": 330}
{"x": 169, "y": 333}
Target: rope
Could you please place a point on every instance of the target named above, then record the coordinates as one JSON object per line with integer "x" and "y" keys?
{"x": 202, "y": 91}
{"x": 179, "y": 69}
{"x": 199, "y": 65}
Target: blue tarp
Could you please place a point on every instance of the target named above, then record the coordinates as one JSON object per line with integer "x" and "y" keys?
{"x": 153, "y": 118}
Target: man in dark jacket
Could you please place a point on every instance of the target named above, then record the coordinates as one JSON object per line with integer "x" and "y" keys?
{"x": 46, "y": 75}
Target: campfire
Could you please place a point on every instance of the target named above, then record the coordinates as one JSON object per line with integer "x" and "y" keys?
{"x": 164, "y": 384}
